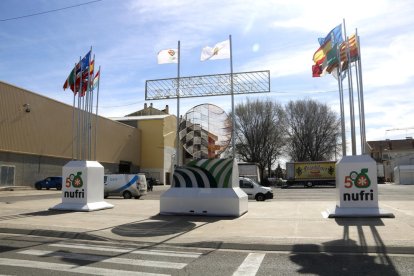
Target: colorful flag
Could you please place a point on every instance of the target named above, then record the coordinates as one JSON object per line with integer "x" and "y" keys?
{"x": 335, "y": 35}
{"x": 320, "y": 54}
{"x": 332, "y": 59}
{"x": 85, "y": 78}
{"x": 70, "y": 80}
{"x": 77, "y": 71}
{"x": 316, "y": 70}
{"x": 353, "y": 49}
{"x": 220, "y": 51}
{"x": 96, "y": 80}
{"x": 168, "y": 56}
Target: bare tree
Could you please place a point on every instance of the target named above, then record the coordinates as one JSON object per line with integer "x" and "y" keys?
{"x": 313, "y": 131}
{"x": 259, "y": 132}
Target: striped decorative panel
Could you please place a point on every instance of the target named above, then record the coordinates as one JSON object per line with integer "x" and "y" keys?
{"x": 204, "y": 173}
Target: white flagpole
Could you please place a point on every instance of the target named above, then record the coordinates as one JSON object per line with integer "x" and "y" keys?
{"x": 232, "y": 103}
{"x": 89, "y": 91}
{"x": 341, "y": 100}
{"x": 79, "y": 113}
{"x": 351, "y": 94}
{"x": 361, "y": 136}
{"x": 96, "y": 117}
{"x": 359, "y": 77}
{"x": 177, "y": 154}
{"x": 74, "y": 137}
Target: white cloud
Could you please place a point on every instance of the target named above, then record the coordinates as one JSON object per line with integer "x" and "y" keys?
{"x": 391, "y": 64}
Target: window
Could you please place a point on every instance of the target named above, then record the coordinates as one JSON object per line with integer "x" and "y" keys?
{"x": 7, "y": 175}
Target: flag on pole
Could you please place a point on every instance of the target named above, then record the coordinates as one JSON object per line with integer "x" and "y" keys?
{"x": 220, "y": 51}
{"x": 353, "y": 49}
{"x": 335, "y": 35}
{"x": 85, "y": 78}
{"x": 167, "y": 56}
{"x": 96, "y": 80}
{"x": 77, "y": 71}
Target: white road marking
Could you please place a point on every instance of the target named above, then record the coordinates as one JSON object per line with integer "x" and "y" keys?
{"x": 104, "y": 259}
{"x": 250, "y": 265}
{"x": 72, "y": 268}
{"x": 130, "y": 250}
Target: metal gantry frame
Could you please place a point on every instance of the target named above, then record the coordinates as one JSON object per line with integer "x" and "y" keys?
{"x": 207, "y": 86}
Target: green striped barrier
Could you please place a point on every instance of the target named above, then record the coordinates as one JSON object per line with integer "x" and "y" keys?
{"x": 204, "y": 173}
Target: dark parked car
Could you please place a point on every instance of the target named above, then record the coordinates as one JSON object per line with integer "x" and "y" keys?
{"x": 49, "y": 182}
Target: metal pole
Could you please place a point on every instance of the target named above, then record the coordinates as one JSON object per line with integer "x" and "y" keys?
{"x": 79, "y": 114}
{"x": 361, "y": 136}
{"x": 96, "y": 117}
{"x": 341, "y": 103}
{"x": 74, "y": 137}
{"x": 232, "y": 103}
{"x": 89, "y": 91}
{"x": 351, "y": 94}
{"x": 178, "y": 108}
{"x": 361, "y": 91}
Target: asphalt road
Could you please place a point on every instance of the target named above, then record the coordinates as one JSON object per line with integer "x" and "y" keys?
{"x": 28, "y": 255}
{"x": 387, "y": 192}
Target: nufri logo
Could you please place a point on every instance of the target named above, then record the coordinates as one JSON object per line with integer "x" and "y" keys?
{"x": 76, "y": 182}
{"x": 361, "y": 181}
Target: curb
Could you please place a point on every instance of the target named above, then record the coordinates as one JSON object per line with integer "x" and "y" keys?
{"x": 341, "y": 247}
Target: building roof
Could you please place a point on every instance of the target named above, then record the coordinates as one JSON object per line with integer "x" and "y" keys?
{"x": 406, "y": 144}
{"x": 141, "y": 118}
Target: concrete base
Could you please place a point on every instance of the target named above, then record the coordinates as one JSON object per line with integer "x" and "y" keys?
{"x": 357, "y": 212}
{"x": 88, "y": 207}
{"x": 204, "y": 201}
{"x": 83, "y": 187}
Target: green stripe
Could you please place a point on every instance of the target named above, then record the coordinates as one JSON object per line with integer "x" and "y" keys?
{"x": 219, "y": 174}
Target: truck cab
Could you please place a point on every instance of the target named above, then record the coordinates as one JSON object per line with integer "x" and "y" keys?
{"x": 254, "y": 190}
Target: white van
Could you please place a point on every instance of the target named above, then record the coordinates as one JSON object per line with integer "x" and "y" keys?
{"x": 254, "y": 190}
{"x": 126, "y": 185}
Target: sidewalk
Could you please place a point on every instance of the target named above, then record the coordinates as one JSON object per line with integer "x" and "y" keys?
{"x": 270, "y": 225}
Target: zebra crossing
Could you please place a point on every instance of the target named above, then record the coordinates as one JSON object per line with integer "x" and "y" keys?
{"x": 75, "y": 255}
{"x": 57, "y": 257}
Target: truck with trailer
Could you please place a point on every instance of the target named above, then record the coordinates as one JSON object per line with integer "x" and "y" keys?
{"x": 249, "y": 170}
{"x": 311, "y": 173}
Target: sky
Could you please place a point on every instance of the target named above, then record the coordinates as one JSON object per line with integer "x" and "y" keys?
{"x": 37, "y": 52}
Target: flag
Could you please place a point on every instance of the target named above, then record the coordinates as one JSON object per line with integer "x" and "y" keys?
{"x": 320, "y": 55}
{"x": 70, "y": 80}
{"x": 353, "y": 49}
{"x": 96, "y": 80}
{"x": 332, "y": 59}
{"x": 85, "y": 78}
{"x": 316, "y": 70}
{"x": 220, "y": 51}
{"x": 168, "y": 56}
{"x": 335, "y": 35}
{"x": 77, "y": 71}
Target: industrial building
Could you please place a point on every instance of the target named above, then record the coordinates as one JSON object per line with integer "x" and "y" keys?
{"x": 38, "y": 137}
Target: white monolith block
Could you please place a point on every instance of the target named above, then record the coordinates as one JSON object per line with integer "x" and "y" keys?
{"x": 82, "y": 187}
{"x": 357, "y": 189}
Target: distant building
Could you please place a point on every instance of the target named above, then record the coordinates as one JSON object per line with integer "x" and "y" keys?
{"x": 392, "y": 153}
{"x": 157, "y": 140}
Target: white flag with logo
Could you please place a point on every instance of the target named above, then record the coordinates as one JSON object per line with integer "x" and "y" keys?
{"x": 168, "y": 56}
{"x": 220, "y": 51}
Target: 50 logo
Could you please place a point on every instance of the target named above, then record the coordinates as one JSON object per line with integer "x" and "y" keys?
{"x": 360, "y": 180}
{"x": 74, "y": 180}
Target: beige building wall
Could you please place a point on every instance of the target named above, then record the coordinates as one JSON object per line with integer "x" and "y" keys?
{"x": 158, "y": 146}
{"x": 31, "y": 124}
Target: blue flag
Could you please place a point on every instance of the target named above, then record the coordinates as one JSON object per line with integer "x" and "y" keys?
{"x": 85, "y": 61}
{"x": 335, "y": 35}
